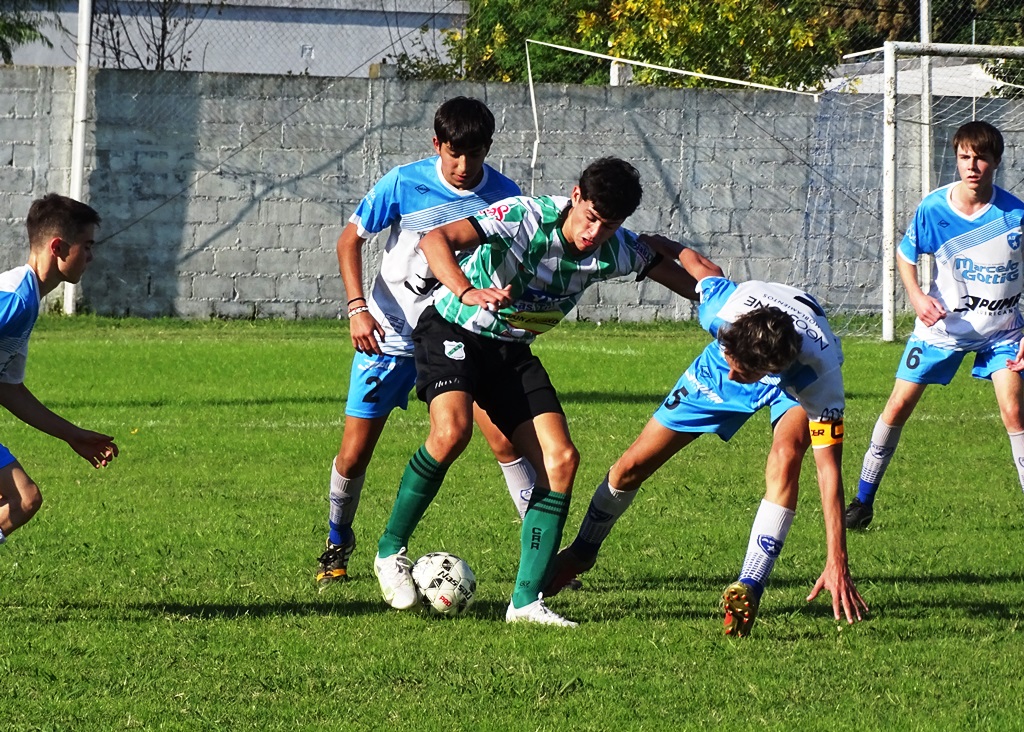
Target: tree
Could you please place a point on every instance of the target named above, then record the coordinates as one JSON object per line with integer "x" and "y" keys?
{"x": 991, "y": 22}
{"x": 492, "y": 45}
{"x": 147, "y": 34}
{"x": 785, "y": 44}
{"x": 788, "y": 44}
{"x": 872, "y": 22}
{"x": 20, "y": 23}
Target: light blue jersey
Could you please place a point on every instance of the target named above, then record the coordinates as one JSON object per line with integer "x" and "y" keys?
{"x": 815, "y": 379}
{"x": 976, "y": 272}
{"x": 19, "y": 309}
{"x": 412, "y": 200}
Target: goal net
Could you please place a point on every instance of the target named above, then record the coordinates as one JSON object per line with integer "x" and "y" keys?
{"x": 775, "y": 184}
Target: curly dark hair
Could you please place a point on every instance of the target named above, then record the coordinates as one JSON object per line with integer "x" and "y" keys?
{"x": 763, "y": 340}
{"x": 613, "y": 187}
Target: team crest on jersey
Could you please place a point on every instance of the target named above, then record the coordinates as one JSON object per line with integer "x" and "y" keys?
{"x": 455, "y": 350}
{"x": 496, "y": 212}
{"x": 422, "y": 189}
{"x": 1013, "y": 240}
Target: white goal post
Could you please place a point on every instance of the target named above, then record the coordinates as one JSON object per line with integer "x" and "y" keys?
{"x": 890, "y": 147}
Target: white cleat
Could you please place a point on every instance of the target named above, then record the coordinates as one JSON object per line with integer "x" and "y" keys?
{"x": 536, "y": 612}
{"x": 396, "y": 584}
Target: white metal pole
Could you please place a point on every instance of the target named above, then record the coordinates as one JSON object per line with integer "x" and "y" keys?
{"x": 889, "y": 198}
{"x": 926, "y": 123}
{"x": 78, "y": 122}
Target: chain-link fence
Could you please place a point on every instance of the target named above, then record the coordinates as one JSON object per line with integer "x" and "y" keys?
{"x": 783, "y": 184}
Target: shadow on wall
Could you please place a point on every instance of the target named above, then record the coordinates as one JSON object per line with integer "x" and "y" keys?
{"x": 222, "y": 195}
{"x": 146, "y": 153}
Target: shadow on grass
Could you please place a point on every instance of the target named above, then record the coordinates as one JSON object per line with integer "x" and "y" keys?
{"x": 184, "y": 401}
{"x": 127, "y": 612}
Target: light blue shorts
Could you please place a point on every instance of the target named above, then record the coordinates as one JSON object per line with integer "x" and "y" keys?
{"x": 6, "y": 458}
{"x": 379, "y": 384}
{"x": 705, "y": 400}
{"x": 923, "y": 363}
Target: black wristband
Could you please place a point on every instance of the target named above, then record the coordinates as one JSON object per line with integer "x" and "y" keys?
{"x": 465, "y": 291}
{"x": 356, "y": 299}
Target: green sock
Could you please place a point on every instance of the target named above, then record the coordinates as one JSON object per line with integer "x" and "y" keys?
{"x": 541, "y": 536}
{"x": 420, "y": 483}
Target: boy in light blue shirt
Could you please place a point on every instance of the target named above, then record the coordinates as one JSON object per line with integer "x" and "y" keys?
{"x": 973, "y": 230}
{"x": 61, "y": 234}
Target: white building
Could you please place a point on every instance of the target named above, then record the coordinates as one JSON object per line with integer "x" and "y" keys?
{"x": 951, "y": 77}
{"x": 316, "y": 37}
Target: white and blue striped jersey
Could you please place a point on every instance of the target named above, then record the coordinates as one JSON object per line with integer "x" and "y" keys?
{"x": 413, "y": 199}
{"x": 815, "y": 379}
{"x": 19, "y": 309}
{"x": 976, "y": 272}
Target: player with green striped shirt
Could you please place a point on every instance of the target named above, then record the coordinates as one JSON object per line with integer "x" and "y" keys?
{"x": 532, "y": 260}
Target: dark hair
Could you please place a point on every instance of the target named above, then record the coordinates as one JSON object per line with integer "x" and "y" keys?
{"x": 464, "y": 123}
{"x": 613, "y": 187}
{"x": 763, "y": 340}
{"x": 57, "y": 215}
{"x": 981, "y": 138}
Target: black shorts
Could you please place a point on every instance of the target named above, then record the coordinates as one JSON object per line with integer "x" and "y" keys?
{"x": 505, "y": 379}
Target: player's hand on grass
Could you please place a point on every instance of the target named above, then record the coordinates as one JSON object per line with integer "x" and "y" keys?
{"x": 846, "y": 601}
{"x": 365, "y": 331}
{"x": 928, "y": 309}
{"x": 490, "y": 298}
{"x": 98, "y": 449}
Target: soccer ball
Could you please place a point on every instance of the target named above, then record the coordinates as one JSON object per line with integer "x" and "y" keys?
{"x": 446, "y": 584}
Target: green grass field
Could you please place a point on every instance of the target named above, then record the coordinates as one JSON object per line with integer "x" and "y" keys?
{"x": 174, "y": 590}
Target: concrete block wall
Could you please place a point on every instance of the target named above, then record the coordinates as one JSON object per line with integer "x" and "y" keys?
{"x": 224, "y": 195}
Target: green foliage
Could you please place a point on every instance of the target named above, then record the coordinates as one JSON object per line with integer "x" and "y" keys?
{"x": 21, "y": 22}
{"x": 992, "y": 22}
{"x": 492, "y": 46}
{"x": 783, "y": 44}
{"x": 174, "y": 589}
{"x": 791, "y": 45}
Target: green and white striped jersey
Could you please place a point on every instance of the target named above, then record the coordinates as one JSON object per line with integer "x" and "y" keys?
{"x": 521, "y": 244}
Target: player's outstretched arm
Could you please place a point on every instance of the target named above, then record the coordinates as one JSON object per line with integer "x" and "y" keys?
{"x": 928, "y": 309}
{"x": 696, "y": 265}
{"x": 846, "y": 601}
{"x": 365, "y": 331}
{"x": 98, "y": 449}
{"x": 439, "y": 247}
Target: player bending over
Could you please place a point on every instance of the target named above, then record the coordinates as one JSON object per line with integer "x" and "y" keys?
{"x": 774, "y": 349}
{"x": 973, "y": 230}
{"x": 532, "y": 259}
{"x": 411, "y": 199}
{"x": 61, "y": 234}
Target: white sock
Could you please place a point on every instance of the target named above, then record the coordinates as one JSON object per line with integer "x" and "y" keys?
{"x": 768, "y": 534}
{"x": 344, "y": 499}
{"x": 1017, "y": 448}
{"x": 520, "y": 478}
{"x": 606, "y": 506}
{"x": 884, "y": 439}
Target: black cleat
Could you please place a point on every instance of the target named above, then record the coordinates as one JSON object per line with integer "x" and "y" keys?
{"x": 859, "y": 515}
